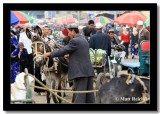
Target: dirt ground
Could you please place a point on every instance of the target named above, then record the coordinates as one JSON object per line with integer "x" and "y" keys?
{"x": 42, "y": 99}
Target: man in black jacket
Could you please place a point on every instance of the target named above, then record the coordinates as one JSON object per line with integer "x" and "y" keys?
{"x": 89, "y": 30}
{"x": 80, "y": 67}
{"x": 101, "y": 41}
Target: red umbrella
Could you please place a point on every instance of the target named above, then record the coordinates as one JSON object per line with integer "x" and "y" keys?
{"x": 69, "y": 21}
{"x": 130, "y": 19}
{"x": 21, "y": 17}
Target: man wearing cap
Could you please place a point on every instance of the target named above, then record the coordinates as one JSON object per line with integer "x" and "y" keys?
{"x": 100, "y": 40}
{"x": 113, "y": 37}
{"x": 80, "y": 67}
{"x": 89, "y": 30}
{"x": 143, "y": 34}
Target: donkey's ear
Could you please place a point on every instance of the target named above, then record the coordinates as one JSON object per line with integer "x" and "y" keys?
{"x": 39, "y": 30}
{"x": 28, "y": 33}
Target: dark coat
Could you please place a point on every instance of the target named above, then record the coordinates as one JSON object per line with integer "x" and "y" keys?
{"x": 87, "y": 31}
{"x": 101, "y": 41}
{"x": 24, "y": 61}
{"x": 144, "y": 35}
{"x": 79, "y": 59}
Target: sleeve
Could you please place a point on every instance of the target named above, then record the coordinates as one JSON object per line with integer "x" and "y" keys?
{"x": 24, "y": 53}
{"x": 121, "y": 36}
{"x": 84, "y": 31}
{"x": 129, "y": 38}
{"x": 16, "y": 44}
{"x": 68, "y": 49}
{"x": 109, "y": 46}
{"x": 91, "y": 43}
{"x": 147, "y": 35}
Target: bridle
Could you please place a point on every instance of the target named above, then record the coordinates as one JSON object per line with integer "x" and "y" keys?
{"x": 38, "y": 54}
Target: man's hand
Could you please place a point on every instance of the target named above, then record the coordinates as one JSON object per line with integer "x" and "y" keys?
{"x": 47, "y": 54}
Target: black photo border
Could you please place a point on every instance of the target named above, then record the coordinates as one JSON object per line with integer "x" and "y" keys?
{"x": 7, "y": 7}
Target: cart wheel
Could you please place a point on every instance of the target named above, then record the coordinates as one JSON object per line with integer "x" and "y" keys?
{"x": 55, "y": 99}
{"x": 114, "y": 69}
{"x": 101, "y": 79}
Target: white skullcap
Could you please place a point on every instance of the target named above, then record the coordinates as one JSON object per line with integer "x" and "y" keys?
{"x": 27, "y": 24}
{"x": 127, "y": 26}
{"x": 98, "y": 25}
{"x": 140, "y": 22}
{"x": 45, "y": 25}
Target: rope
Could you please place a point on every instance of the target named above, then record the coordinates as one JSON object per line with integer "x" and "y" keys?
{"x": 143, "y": 102}
{"x": 65, "y": 91}
{"x": 127, "y": 81}
{"x": 50, "y": 90}
{"x": 144, "y": 94}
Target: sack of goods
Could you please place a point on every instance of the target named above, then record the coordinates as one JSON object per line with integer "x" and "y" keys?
{"x": 97, "y": 56}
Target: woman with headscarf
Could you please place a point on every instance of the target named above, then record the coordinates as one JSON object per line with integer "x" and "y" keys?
{"x": 134, "y": 41}
{"x": 125, "y": 36}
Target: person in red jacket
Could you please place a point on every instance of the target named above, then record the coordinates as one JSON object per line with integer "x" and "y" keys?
{"x": 125, "y": 36}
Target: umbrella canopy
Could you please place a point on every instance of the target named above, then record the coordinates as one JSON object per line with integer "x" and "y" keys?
{"x": 69, "y": 21}
{"x": 22, "y": 19}
{"x": 13, "y": 19}
{"x": 147, "y": 23}
{"x": 27, "y": 16}
{"x": 130, "y": 19}
{"x": 102, "y": 20}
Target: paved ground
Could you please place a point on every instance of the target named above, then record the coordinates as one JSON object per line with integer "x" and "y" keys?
{"x": 42, "y": 99}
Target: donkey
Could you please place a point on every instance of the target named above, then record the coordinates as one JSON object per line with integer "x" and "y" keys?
{"x": 53, "y": 68}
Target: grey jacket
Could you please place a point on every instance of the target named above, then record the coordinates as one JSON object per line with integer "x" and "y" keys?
{"x": 79, "y": 59}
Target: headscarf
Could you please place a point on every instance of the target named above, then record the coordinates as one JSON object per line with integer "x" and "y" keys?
{"x": 65, "y": 32}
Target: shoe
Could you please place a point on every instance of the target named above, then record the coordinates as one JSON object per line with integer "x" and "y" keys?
{"x": 126, "y": 57}
{"x": 37, "y": 93}
{"x": 133, "y": 57}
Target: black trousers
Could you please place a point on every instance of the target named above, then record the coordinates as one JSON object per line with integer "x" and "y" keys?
{"x": 38, "y": 76}
{"x": 83, "y": 84}
{"x": 23, "y": 66}
{"x": 30, "y": 64}
{"x": 126, "y": 48}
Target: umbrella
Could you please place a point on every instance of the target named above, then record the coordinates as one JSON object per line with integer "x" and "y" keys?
{"x": 69, "y": 21}
{"x": 102, "y": 20}
{"x": 130, "y": 19}
{"x": 27, "y": 16}
{"x": 147, "y": 23}
{"x": 14, "y": 20}
{"x": 22, "y": 19}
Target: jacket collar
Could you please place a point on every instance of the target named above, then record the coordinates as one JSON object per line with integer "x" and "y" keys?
{"x": 99, "y": 32}
{"x": 78, "y": 35}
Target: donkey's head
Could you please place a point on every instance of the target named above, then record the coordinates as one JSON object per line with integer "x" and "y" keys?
{"x": 36, "y": 35}
{"x": 37, "y": 42}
